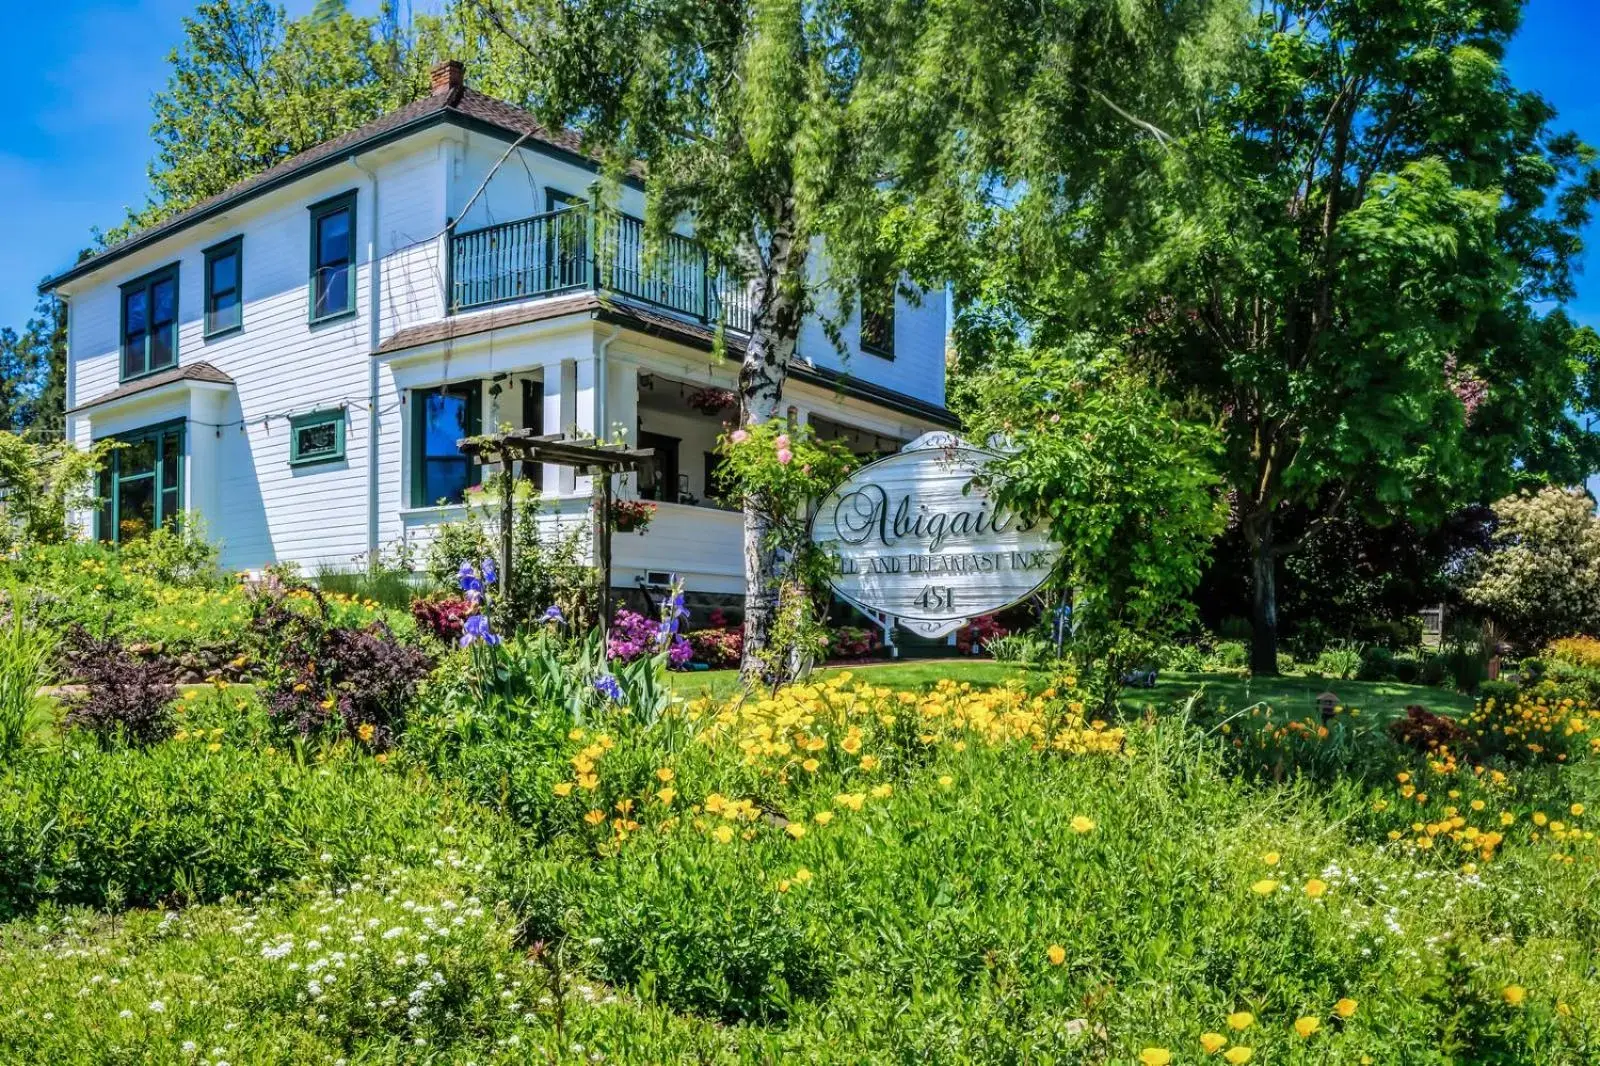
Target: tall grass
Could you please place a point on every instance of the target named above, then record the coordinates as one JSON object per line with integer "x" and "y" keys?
{"x": 25, "y": 653}
{"x": 384, "y": 586}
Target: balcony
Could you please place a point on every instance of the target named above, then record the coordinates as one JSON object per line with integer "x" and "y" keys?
{"x": 574, "y": 249}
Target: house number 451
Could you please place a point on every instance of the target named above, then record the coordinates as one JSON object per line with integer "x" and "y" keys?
{"x": 937, "y": 598}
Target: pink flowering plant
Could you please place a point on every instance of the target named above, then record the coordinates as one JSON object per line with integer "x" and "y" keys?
{"x": 773, "y": 470}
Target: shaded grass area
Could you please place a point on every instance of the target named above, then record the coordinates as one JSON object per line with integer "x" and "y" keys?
{"x": 1380, "y": 699}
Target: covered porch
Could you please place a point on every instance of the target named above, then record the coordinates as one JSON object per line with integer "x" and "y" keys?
{"x": 623, "y": 389}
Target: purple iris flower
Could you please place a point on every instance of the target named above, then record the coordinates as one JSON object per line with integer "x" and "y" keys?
{"x": 490, "y": 574}
{"x": 475, "y": 628}
{"x": 553, "y": 613}
{"x": 609, "y": 687}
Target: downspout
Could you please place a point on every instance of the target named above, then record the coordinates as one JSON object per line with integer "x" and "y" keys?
{"x": 374, "y": 298}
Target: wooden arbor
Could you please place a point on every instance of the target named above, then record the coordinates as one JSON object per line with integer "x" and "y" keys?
{"x": 587, "y": 456}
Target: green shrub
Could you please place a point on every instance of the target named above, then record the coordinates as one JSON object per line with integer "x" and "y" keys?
{"x": 1503, "y": 692}
{"x": 1340, "y": 661}
{"x": 1377, "y": 663}
{"x": 546, "y": 569}
{"x": 26, "y": 652}
{"x": 1019, "y": 648}
{"x": 1185, "y": 658}
{"x": 198, "y": 818}
{"x": 1229, "y": 654}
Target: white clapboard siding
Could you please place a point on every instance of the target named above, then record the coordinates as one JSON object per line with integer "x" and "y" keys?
{"x": 260, "y": 508}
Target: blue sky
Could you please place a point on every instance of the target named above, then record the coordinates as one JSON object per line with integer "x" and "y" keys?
{"x": 74, "y": 145}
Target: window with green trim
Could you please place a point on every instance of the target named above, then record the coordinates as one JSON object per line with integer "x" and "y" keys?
{"x": 150, "y": 323}
{"x": 141, "y": 484}
{"x": 333, "y": 257}
{"x": 224, "y": 287}
{"x": 439, "y": 419}
{"x": 317, "y": 437}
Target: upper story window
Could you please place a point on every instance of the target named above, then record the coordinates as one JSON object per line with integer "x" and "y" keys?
{"x": 150, "y": 323}
{"x": 224, "y": 287}
{"x": 877, "y": 320}
{"x": 333, "y": 224}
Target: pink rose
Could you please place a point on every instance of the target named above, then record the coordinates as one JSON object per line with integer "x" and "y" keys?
{"x": 785, "y": 456}
{"x": 740, "y": 436}
{"x": 781, "y": 440}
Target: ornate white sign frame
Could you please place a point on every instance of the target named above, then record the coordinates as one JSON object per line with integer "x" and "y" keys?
{"x": 921, "y": 545}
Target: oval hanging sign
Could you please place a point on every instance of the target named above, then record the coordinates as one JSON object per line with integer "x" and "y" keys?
{"x": 915, "y": 539}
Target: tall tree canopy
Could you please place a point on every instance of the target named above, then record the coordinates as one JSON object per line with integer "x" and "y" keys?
{"x": 33, "y": 372}
{"x": 1347, "y": 261}
{"x": 870, "y": 126}
{"x": 251, "y": 87}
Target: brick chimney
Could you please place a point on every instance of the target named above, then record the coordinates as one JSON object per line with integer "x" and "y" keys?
{"x": 448, "y": 76}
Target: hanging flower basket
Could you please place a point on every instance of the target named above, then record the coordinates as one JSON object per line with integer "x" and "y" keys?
{"x": 632, "y": 516}
{"x": 709, "y": 401}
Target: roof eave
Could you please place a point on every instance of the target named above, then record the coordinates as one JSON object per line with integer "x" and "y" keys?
{"x": 158, "y": 233}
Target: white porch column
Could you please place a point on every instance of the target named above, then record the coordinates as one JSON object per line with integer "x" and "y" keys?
{"x": 588, "y": 404}
{"x": 622, "y": 415}
{"x": 560, "y": 415}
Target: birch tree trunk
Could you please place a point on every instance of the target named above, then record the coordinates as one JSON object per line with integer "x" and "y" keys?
{"x": 778, "y": 295}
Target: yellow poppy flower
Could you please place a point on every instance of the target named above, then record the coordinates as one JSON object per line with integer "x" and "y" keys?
{"x": 1345, "y": 1008}
{"x": 1155, "y": 1056}
{"x": 1241, "y": 1020}
{"x": 1264, "y": 887}
{"x": 1514, "y": 994}
{"x": 1270, "y": 858}
{"x": 1239, "y": 1055}
{"x": 1082, "y": 824}
{"x": 1213, "y": 1042}
{"x": 1056, "y": 954}
{"x": 1306, "y": 1026}
{"x": 1316, "y": 888}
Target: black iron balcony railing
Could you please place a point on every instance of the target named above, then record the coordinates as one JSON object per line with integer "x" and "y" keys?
{"x": 574, "y": 248}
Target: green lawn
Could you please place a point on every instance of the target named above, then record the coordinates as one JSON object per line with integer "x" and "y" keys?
{"x": 1380, "y": 698}
{"x": 912, "y": 674}
{"x": 1385, "y": 699}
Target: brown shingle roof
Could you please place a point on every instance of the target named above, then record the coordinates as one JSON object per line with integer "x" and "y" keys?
{"x": 189, "y": 372}
{"x": 463, "y": 105}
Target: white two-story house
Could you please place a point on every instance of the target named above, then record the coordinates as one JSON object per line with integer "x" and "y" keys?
{"x": 296, "y": 358}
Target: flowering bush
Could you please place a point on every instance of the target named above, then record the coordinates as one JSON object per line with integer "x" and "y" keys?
{"x": 719, "y": 645}
{"x": 633, "y": 636}
{"x": 1427, "y": 733}
{"x": 853, "y": 642}
{"x": 441, "y": 617}
{"x": 632, "y": 516}
{"x": 978, "y": 633}
{"x": 1582, "y": 652}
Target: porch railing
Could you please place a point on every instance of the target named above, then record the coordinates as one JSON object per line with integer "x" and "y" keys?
{"x": 574, "y": 249}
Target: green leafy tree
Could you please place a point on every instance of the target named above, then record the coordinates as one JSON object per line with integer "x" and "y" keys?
{"x": 33, "y": 367}
{"x": 1542, "y": 577}
{"x": 251, "y": 87}
{"x": 41, "y": 482}
{"x": 1126, "y": 481}
{"x": 1347, "y": 261}
{"x": 873, "y": 127}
